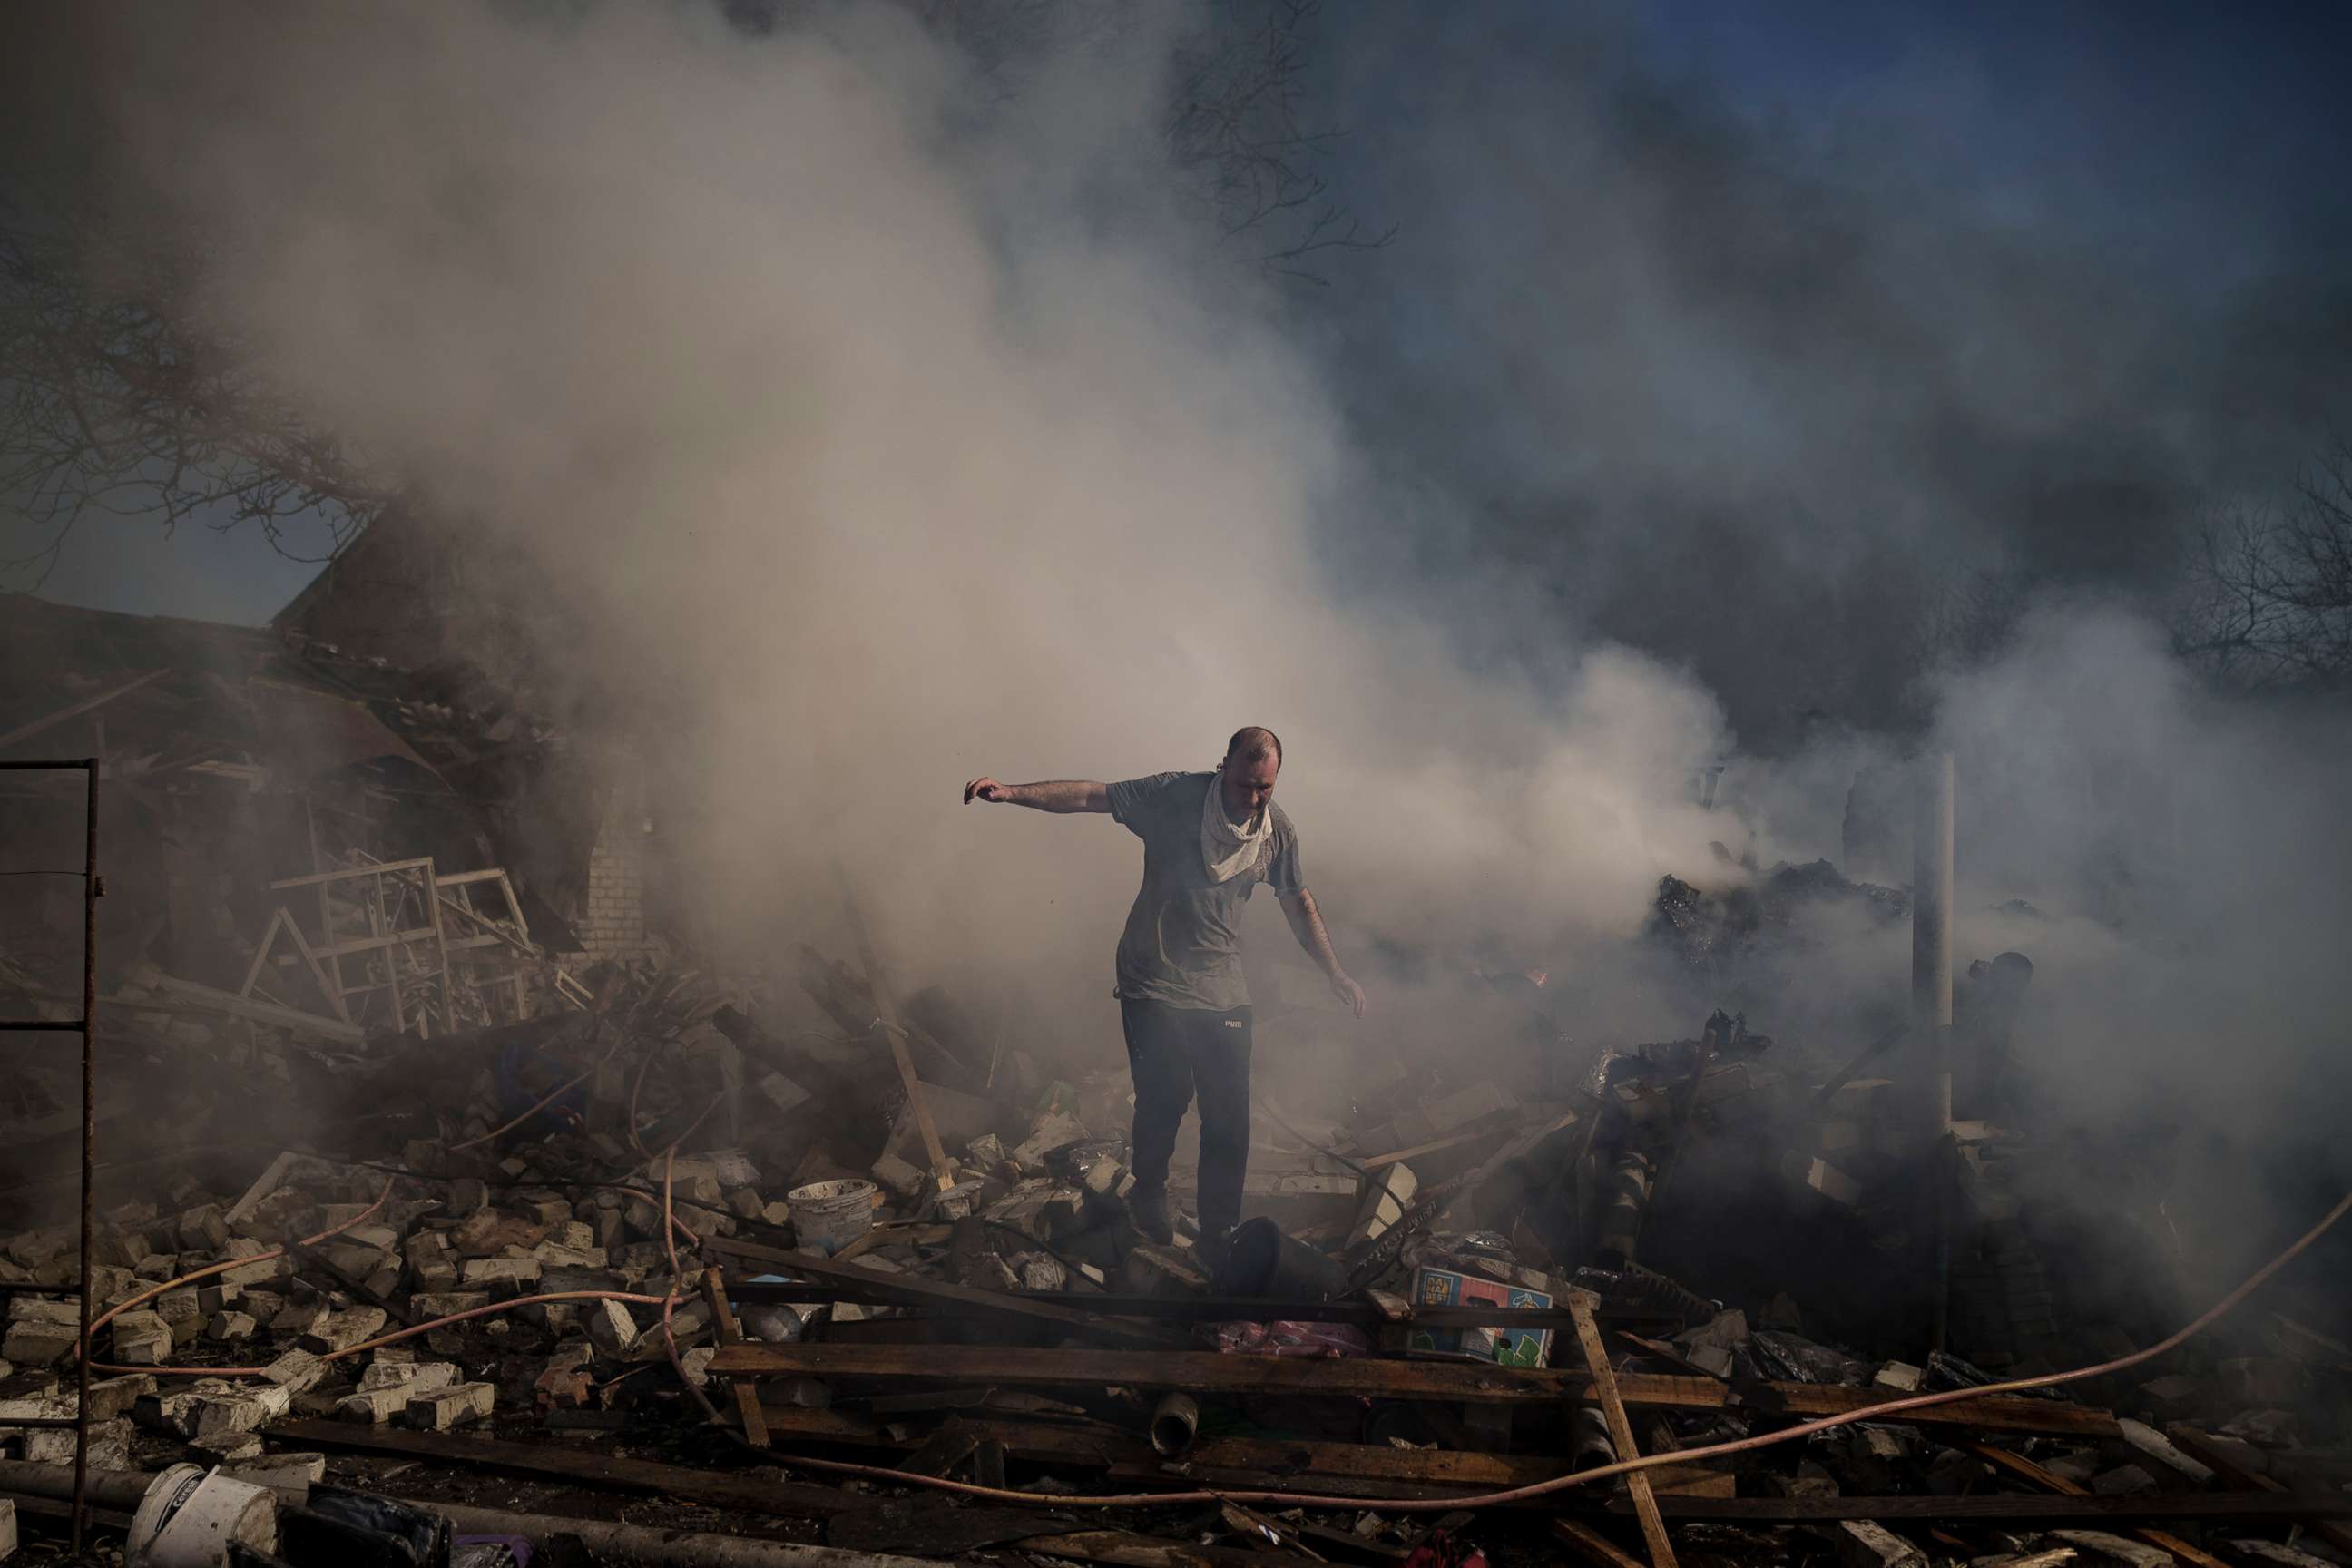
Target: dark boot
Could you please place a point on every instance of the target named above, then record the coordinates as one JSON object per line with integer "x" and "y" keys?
{"x": 1147, "y": 1208}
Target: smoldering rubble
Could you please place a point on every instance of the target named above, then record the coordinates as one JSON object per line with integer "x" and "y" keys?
{"x": 449, "y": 1198}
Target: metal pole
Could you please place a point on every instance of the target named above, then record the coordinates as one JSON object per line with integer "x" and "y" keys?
{"x": 1931, "y": 1002}
{"x": 91, "y": 889}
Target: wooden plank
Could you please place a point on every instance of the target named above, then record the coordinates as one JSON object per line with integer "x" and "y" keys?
{"x": 1379, "y": 1468}
{"x": 2025, "y": 1470}
{"x": 722, "y": 1319}
{"x": 352, "y": 873}
{"x": 1621, "y": 1430}
{"x": 941, "y": 1529}
{"x": 350, "y": 945}
{"x": 2218, "y": 1458}
{"x": 256, "y": 1012}
{"x": 711, "y": 1489}
{"x": 887, "y": 1014}
{"x": 26, "y": 732}
{"x": 261, "y": 953}
{"x": 1432, "y": 1147}
{"x": 1200, "y": 1372}
{"x": 317, "y": 970}
{"x": 1596, "y": 1547}
{"x": 1205, "y": 1308}
{"x": 1121, "y": 1549}
{"x": 909, "y": 1290}
{"x": 2047, "y": 1507}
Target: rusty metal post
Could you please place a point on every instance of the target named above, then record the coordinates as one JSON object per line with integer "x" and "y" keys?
{"x": 1931, "y": 1004}
{"x": 91, "y": 889}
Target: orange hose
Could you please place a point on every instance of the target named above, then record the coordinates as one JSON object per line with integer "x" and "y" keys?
{"x": 1622, "y": 1467}
{"x": 210, "y": 1269}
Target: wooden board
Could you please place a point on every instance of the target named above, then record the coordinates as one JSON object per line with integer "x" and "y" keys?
{"x": 2094, "y": 1512}
{"x": 1384, "y": 1469}
{"x": 913, "y": 1291}
{"x": 711, "y": 1489}
{"x": 1620, "y": 1431}
{"x": 1198, "y": 1371}
{"x": 2025, "y": 1470}
{"x": 2219, "y": 1459}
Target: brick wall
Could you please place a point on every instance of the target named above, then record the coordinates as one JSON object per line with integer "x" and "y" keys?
{"x": 611, "y": 919}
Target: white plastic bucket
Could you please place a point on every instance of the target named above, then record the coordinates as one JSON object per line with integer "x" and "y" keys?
{"x": 829, "y": 1216}
{"x": 190, "y": 1515}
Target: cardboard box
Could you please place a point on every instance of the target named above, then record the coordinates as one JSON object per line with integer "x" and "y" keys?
{"x": 1505, "y": 1345}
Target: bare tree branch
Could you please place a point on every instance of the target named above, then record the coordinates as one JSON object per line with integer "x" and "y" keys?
{"x": 117, "y": 398}
{"x": 2270, "y": 595}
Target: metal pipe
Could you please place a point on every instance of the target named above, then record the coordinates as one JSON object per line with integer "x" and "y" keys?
{"x": 1931, "y": 929}
{"x": 1931, "y": 1007}
{"x": 1173, "y": 1425}
{"x": 91, "y": 889}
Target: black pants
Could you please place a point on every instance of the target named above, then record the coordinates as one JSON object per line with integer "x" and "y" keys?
{"x": 1175, "y": 1054}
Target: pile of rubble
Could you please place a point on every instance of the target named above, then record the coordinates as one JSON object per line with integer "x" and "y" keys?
{"x": 648, "y": 1261}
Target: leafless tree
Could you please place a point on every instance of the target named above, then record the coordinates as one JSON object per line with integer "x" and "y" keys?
{"x": 118, "y": 397}
{"x": 1242, "y": 131}
{"x": 120, "y": 394}
{"x": 2270, "y": 591}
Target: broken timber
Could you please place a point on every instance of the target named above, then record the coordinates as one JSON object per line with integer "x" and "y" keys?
{"x": 2201, "y": 1446}
{"x": 2094, "y": 1510}
{"x": 711, "y": 1489}
{"x": 2025, "y": 1470}
{"x": 887, "y": 1019}
{"x": 1621, "y": 1430}
{"x": 912, "y": 1291}
{"x": 722, "y": 1321}
{"x": 1196, "y": 1372}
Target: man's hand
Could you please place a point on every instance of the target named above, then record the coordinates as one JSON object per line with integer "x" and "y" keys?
{"x": 1351, "y": 994}
{"x": 1047, "y": 794}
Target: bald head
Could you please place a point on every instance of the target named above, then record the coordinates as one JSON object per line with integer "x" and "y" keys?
{"x": 1245, "y": 778}
{"x": 1254, "y": 743}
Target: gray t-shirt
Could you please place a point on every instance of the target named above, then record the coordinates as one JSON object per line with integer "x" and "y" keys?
{"x": 1180, "y": 946}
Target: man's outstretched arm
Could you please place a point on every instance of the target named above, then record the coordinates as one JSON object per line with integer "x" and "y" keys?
{"x": 1053, "y": 794}
{"x": 1307, "y": 925}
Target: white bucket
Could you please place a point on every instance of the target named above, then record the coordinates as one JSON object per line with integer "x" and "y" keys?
{"x": 829, "y": 1216}
{"x": 190, "y": 1515}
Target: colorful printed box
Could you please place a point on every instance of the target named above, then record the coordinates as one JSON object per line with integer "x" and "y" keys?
{"x": 1506, "y": 1346}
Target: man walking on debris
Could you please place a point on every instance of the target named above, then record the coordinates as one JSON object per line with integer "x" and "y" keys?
{"x": 1209, "y": 839}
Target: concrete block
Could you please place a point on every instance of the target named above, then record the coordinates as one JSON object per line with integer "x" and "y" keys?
{"x": 372, "y": 1407}
{"x": 241, "y": 1411}
{"x": 1392, "y": 1187}
{"x": 113, "y": 1396}
{"x": 1898, "y": 1375}
{"x": 893, "y": 1175}
{"x": 141, "y": 1339}
{"x": 8, "y": 1528}
{"x": 259, "y": 1272}
{"x": 227, "y": 1447}
{"x": 457, "y": 1406}
{"x": 297, "y": 1371}
{"x": 228, "y": 1327}
{"x": 38, "y": 1344}
{"x": 446, "y": 1303}
{"x": 1861, "y": 1544}
{"x": 611, "y": 1327}
{"x": 417, "y": 1377}
{"x": 299, "y": 1316}
{"x": 42, "y": 1310}
{"x": 342, "y": 1331}
{"x": 501, "y": 1277}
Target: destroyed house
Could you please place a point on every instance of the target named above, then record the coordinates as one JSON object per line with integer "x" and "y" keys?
{"x": 274, "y": 812}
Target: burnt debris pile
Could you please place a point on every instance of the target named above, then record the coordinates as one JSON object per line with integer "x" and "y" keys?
{"x": 452, "y": 1192}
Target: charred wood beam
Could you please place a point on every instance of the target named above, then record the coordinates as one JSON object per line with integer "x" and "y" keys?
{"x": 1196, "y": 1372}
